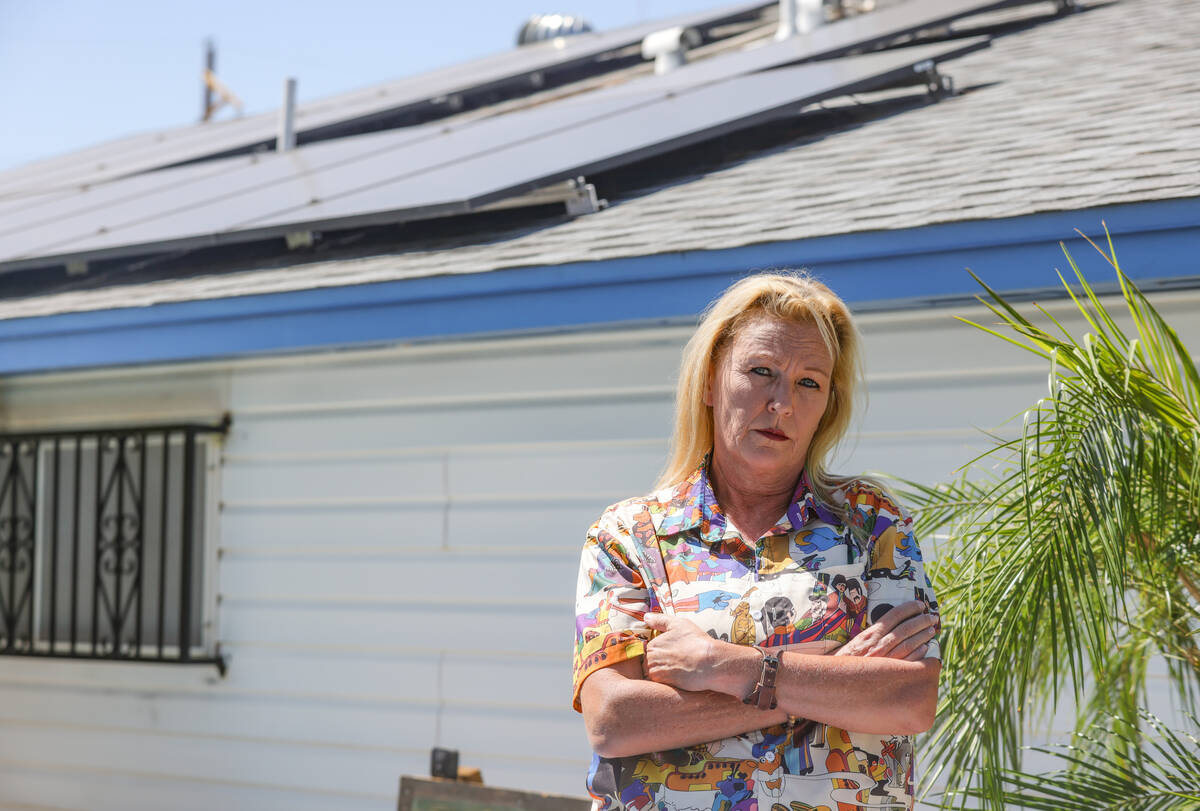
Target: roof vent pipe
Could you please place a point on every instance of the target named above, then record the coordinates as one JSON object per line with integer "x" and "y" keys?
{"x": 799, "y": 17}
{"x": 542, "y": 27}
{"x": 668, "y": 48}
{"x": 286, "y": 139}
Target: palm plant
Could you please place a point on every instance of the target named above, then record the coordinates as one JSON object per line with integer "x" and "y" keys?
{"x": 1099, "y": 775}
{"x": 1075, "y": 562}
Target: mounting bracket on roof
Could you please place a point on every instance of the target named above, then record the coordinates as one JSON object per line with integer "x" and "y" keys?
{"x": 1067, "y": 6}
{"x": 937, "y": 83}
{"x": 299, "y": 239}
{"x": 582, "y": 199}
{"x": 452, "y": 101}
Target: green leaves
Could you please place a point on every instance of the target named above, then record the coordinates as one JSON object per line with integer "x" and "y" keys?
{"x": 1074, "y": 550}
{"x": 1098, "y": 774}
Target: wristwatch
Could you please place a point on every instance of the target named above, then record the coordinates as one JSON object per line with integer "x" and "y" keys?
{"x": 763, "y": 694}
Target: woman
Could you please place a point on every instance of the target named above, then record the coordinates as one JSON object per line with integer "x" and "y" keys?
{"x": 708, "y": 610}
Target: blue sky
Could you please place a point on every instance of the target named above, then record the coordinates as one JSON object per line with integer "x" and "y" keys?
{"x": 76, "y": 73}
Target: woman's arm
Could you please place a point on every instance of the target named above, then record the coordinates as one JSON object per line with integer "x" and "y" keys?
{"x": 626, "y": 714}
{"x": 874, "y": 688}
{"x": 878, "y": 695}
{"x": 693, "y": 686}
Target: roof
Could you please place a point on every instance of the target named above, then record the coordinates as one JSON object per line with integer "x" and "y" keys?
{"x": 1094, "y": 108}
{"x": 362, "y": 110}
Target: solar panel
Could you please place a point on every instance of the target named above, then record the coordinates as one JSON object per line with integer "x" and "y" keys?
{"x": 155, "y": 190}
{"x": 169, "y": 147}
{"x": 253, "y": 181}
{"x": 860, "y": 32}
{"x": 406, "y": 175}
{"x": 154, "y": 150}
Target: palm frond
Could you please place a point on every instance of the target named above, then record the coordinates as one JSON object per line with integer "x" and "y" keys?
{"x": 1074, "y": 553}
{"x": 1097, "y": 775}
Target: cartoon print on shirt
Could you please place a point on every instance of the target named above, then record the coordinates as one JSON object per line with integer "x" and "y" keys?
{"x": 742, "y": 630}
{"x": 604, "y": 572}
{"x": 782, "y": 554}
{"x": 637, "y": 795}
{"x": 629, "y": 606}
{"x": 768, "y": 776}
{"x": 822, "y": 538}
{"x": 711, "y": 600}
{"x": 704, "y": 776}
{"x": 778, "y": 614}
{"x": 824, "y": 621}
{"x": 884, "y": 552}
{"x": 906, "y": 545}
{"x": 864, "y": 516}
{"x": 668, "y": 800}
{"x": 727, "y": 559}
{"x": 643, "y": 529}
{"x": 927, "y": 598}
{"x": 652, "y": 770}
{"x": 879, "y": 771}
{"x": 812, "y": 579}
{"x": 853, "y": 600}
{"x": 690, "y": 562}
{"x": 682, "y": 561}
{"x": 776, "y": 557}
{"x": 879, "y": 610}
{"x": 812, "y": 563}
{"x": 735, "y": 794}
{"x": 899, "y": 752}
{"x": 905, "y": 572}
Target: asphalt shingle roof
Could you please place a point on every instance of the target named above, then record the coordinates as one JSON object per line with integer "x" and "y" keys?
{"x": 1095, "y": 108}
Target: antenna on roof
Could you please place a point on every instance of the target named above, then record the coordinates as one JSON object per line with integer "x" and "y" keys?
{"x": 210, "y": 64}
{"x": 214, "y": 87}
{"x": 286, "y": 139}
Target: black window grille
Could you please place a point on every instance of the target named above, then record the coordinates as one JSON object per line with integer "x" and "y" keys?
{"x": 102, "y": 552}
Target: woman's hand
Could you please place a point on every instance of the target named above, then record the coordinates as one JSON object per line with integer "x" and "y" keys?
{"x": 680, "y": 655}
{"x": 904, "y": 632}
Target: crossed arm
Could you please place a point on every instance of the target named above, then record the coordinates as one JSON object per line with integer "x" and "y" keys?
{"x": 688, "y": 687}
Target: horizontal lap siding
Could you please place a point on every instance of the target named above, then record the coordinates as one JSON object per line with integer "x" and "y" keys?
{"x": 26, "y": 786}
{"x": 478, "y": 471}
{"x": 399, "y": 533}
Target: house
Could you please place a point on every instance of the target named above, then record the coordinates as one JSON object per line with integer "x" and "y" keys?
{"x": 292, "y": 498}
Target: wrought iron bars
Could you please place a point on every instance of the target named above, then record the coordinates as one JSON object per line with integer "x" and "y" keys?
{"x": 17, "y": 520}
{"x": 101, "y": 553}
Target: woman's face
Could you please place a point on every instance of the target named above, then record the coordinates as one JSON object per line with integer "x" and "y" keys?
{"x": 768, "y": 391}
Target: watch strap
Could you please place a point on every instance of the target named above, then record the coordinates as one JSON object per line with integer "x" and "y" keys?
{"x": 763, "y": 694}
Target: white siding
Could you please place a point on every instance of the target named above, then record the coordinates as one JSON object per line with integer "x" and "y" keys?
{"x": 399, "y": 532}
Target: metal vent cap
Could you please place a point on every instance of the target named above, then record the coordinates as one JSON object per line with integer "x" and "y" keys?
{"x": 542, "y": 27}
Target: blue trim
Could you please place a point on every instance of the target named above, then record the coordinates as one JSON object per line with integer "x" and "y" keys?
{"x": 891, "y": 269}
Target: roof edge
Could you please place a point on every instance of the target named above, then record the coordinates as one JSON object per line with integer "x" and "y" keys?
{"x": 881, "y": 270}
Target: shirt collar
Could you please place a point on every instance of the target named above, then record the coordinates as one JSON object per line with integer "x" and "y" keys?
{"x": 692, "y": 504}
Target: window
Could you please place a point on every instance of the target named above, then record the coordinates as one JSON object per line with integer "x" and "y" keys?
{"x": 102, "y": 543}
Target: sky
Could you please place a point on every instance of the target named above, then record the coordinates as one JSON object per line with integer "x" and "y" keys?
{"x": 74, "y": 73}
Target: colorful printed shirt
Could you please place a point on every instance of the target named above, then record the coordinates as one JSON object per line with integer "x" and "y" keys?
{"x": 812, "y": 582}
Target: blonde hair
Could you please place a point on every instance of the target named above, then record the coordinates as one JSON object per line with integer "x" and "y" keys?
{"x": 790, "y": 296}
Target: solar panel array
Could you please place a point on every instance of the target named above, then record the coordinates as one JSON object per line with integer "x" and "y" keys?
{"x": 459, "y": 166}
{"x": 426, "y": 171}
{"x": 859, "y": 33}
{"x": 154, "y": 150}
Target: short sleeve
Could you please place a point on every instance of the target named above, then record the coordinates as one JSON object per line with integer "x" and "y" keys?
{"x": 896, "y": 571}
{"x": 611, "y": 601}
